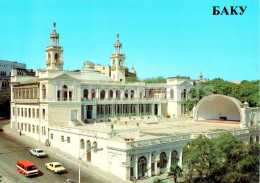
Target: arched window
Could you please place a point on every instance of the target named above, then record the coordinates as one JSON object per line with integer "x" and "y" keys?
{"x": 110, "y": 94}
{"x": 94, "y": 146}
{"x": 65, "y": 92}
{"x": 93, "y": 93}
{"x": 171, "y": 93}
{"x": 102, "y": 94}
{"x": 126, "y": 94}
{"x": 163, "y": 160}
{"x": 33, "y": 129}
{"x": 43, "y": 91}
{"x": 57, "y": 56}
{"x": 174, "y": 157}
{"x": 118, "y": 94}
{"x": 132, "y": 94}
{"x": 86, "y": 93}
{"x": 49, "y": 56}
{"x": 257, "y": 139}
{"x": 37, "y": 129}
{"x": 82, "y": 144}
{"x": 142, "y": 167}
{"x": 29, "y": 128}
{"x": 184, "y": 94}
{"x": 114, "y": 62}
{"x": 88, "y": 150}
{"x": 120, "y": 62}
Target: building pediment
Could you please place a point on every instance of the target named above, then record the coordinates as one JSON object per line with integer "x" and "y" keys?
{"x": 64, "y": 76}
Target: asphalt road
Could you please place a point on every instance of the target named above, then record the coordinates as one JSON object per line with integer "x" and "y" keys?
{"x": 12, "y": 150}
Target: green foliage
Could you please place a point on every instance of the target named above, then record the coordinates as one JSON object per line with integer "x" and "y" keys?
{"x": 224, "y": 159}
{"x": 175, "y": 171}
{"x": 246, "y": 91}
{"x": 158, "y": 79}
{"x": 132, "y": 79}
{"x": 5, "y": 97}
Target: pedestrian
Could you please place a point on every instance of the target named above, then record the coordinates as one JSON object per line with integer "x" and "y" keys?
{"x": 20, "y": 132}
{"x": 135, "y": 180}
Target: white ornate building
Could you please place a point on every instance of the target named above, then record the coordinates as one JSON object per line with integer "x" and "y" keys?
{"x": 105, "y": 121}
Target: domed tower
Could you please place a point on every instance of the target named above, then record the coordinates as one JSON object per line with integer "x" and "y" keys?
{"x": 118, "y": 62}
{"x": 54, "y": 52}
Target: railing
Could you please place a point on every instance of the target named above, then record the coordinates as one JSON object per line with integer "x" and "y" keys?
{"x": 160, "y": 140}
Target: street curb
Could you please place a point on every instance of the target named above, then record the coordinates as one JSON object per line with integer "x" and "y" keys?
{"x": 60, "y": 153}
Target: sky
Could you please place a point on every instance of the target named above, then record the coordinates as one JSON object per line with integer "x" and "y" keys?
{"x": 160, "y": 37}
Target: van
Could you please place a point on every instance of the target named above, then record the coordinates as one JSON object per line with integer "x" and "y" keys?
{"x": 27, "y": 168}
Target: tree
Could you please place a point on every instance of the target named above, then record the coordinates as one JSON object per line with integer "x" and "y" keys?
{"x": 5, "y": 97}
{"x": 175, "y": 171}
{"x": 223, "y": 159}
{"x": 158, "y": 79}
{"x": 132, "y": 79}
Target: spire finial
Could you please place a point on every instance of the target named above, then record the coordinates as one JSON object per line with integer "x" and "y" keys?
{"x": 117, "y": 37}
{"x": 54, "y": 25}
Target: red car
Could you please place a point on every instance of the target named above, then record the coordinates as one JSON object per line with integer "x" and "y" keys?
{"x": 27, "y": 168}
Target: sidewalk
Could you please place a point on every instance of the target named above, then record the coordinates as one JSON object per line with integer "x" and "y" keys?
{"x": 84, "y": 165}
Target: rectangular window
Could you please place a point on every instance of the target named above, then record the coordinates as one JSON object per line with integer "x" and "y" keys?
{"x": 68, "y": 139}
{"x": 29, "y": 112}
{"x": 70, "y": 95}
{"x": 18, "y": 111}
{"x": 43, "y": 114}
{"x": 132, "y": 171}
{"x": 62, "y": 138}
{"x": 51, "y": 135}
{"x": 25, "y": 112}
{"x": 13, "y": 111}
{"x": 33, "y": 113}
{"x": 22, "y": 111}
{"x": 58, "y": 95}
{"x": 37, "y": 114}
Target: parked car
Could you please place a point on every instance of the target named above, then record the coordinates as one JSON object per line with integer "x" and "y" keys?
{"x": 27, "y": 168}
{"x": 38, "y": 152}
{"x": 56, "y": 167}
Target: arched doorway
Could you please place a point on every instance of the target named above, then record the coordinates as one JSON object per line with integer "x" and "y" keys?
{"x": 88, "y": 151}
{"x": 142, "y": 166}
{"x": 174, "y": 157}
{"x": 163, "y": 160}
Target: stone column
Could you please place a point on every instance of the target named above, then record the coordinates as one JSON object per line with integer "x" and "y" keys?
{"x": 84, "y": 112}
{"x": 169, "y": 160}
{"x": 114, "y": 93}
{"x": 136, "y": 167}
{"x": 157, "y": 159}
{"x": 149, "y": 165}
{"x": 180, "y": 158}
{"x": 106, "y": 93}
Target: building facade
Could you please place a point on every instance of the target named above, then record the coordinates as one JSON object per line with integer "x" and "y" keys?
{"x": 97, "y": 118}
{"x": 5, "y": 72}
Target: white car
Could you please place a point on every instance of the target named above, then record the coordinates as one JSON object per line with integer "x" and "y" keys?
{"x": 38, "y": 153}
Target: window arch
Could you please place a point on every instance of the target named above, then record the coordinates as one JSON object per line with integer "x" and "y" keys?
{"x": 118, "y": 94}
{"x": 132, "y": 94}
{"x": 163, "y": 160}
{"x": 93, "y": 93}
{"x": 102, "y": 94}
{"x": 110, "y": 94}
{"x": 171, "y": 94}
{"x": 174, "y": 157}
{"x": 94, "y": 146}
{"x": 65, "y": 92}
{"x": 82, "y": 144}
{"x": 86, "y": 93}
{"x": 126, "y": 94}
{"x": 43, "y": 92}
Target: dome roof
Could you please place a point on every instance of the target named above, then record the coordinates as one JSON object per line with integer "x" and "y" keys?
{"x": 133, "y": 70}
{"x": 88, "y": 72}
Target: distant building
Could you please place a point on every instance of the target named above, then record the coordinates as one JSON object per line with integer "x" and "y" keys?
{"x": 236, "y": 82}
{"x": 5, "y": 72}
